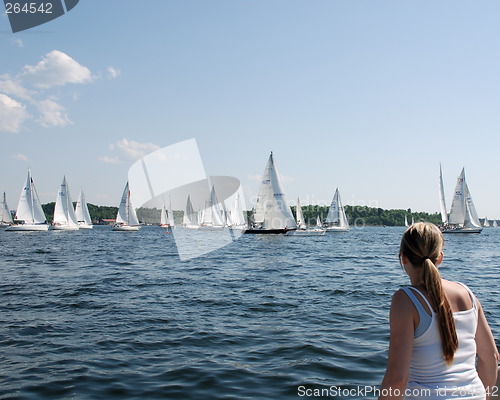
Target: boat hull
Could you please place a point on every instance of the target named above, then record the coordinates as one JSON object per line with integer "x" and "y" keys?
{"x": 306, "y": 232}
{"x": 28, "y": 228}
{"x": 83, "y": 226}
{"x": 335, "y": 229}
{"x": 267, "y": 231}
{"x": 462, "y": 230}
{"x": 64, "y": 228}
{"x": 126, "y": 228}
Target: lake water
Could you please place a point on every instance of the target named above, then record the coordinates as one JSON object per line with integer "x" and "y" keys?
{"x": 109, "y": 315}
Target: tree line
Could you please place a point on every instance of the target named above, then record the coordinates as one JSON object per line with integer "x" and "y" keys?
{"x": 357, "y": 215}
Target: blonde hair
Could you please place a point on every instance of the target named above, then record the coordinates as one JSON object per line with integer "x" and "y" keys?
{"x": 422, "y": 243}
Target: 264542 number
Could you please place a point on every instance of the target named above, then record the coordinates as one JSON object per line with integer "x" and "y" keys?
{"x": 28, "y": 8}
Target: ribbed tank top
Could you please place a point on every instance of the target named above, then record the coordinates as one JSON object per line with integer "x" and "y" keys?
{"x": 430, "y": 378}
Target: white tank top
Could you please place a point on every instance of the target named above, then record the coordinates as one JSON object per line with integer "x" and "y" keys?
{"x": 430, "y": 377}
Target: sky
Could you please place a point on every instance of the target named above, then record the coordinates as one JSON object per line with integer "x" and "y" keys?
{"x": 369, "y": 96}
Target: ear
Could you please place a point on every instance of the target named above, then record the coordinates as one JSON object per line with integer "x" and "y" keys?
{"x": 404, "y": 259}
{"x": 440, "y": 258}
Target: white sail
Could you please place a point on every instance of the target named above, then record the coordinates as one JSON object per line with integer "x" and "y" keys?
{"x": 471, "y": 217}
{"x": 6, "y": 217}
{"x": 190, "y": 218}
{"x": 236, "y": 218}
{"x": 318, "y": 221}
{"x": 170, "y": 218}
{"x": 29, "y": 210}
{"x": 64, "y": 214}
{"x": 495, "y": 224}
{"x": 458, "y": 205}
{"x": 442, "y": 203}
{"x": 212, "y": 214}
{"x": 336, "y": 214}
{"x": 82, "y": 212}
{"x": 163, "y": 217}
{"x": 301, "y": 223}
{"x": 126, "y": 212}
{"x": 406, "y": 221}
{"x": 272, "y": 210}
{"x": 486, "y": 223}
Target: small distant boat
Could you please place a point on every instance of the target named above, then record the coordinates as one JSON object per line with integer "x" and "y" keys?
{"x": 463, "y": 217}
{"x": 6, "y": 216}
{"x": 82, "y": 213}
{"x": 164, "y": 218}
{"x": 486, "y": 223}
{"x": 302, "y": 229}
{"x": 406, "y": 221}
{"x": 212, "y": 216}
{"x": 336, "y": 220}
{"x": 64, "y": 214}
{"x": 126, "y": 219}
{"x": 190, "y": 218}
{"x": 272, "y": 212}
{"x": 235, "y": 217}
{"x": 494, "y": 224}
{"x": 29, "y": 213}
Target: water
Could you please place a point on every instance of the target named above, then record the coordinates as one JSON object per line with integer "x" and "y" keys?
{"x": 109, "y": 315}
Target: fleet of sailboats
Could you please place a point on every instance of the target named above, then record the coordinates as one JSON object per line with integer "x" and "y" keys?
{"x": 463, "y": 217}
{"x": 271, "y": 214}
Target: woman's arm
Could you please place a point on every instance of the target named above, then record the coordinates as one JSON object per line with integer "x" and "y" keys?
{"x": 487, "y": 354}
{"x": 402, "y": 326}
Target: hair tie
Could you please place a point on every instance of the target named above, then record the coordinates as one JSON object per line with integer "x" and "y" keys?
{"x": 425, "y": 258}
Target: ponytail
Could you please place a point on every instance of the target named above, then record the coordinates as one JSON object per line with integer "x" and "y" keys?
{"x": 446, "y": 323}
{"x": 422, "y": 243}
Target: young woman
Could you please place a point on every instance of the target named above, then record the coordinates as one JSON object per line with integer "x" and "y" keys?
{"x": 437, "y": 329}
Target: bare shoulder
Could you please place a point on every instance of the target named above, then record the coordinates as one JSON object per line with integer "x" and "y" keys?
{"x": 458, "y": 296}
{"x": 401, "y": 301}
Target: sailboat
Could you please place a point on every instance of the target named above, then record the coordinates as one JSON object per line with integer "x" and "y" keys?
{"x": 302, "y": 229}
{"x": 272, "y": 212}
{"x": 212, "y": 216}
{"x": 463, "y": 216}
{"x": 235, "y": 217}
{"x": 6, "y": 216}
{"x": 126, "y": 219}
{"x": 190, "y": 218}
{"x": 29, "y": 213}
{"x": 486, "y": 223}
{"x": 64, "y": 214}
{"x": 164, "y": 218}
{"x": 336, "y": 220}
{"x": 406, "y": 222}
{"x": 495, "y": 224}
{"x": 82, "y": 212}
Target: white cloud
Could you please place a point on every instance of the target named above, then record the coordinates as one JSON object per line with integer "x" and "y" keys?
{"x": 56, "y": 69}
{"x": 113, "y": 73}
{"x": 11, "y": 86}
{"x": 20, "y": 157}
{"x": 17, "y": 42}
{"x": 129, "y": 150}
{"x": 132, "y": 150}
{"x": 109, "y": 160}
{"x": 52, "y": 114}
{"x": 12, "y": 114}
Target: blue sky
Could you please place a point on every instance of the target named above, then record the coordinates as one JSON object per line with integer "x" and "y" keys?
{"x": 368, "y": 96}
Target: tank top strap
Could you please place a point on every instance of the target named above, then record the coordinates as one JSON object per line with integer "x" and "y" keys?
{"x": 420, "y": 308}
{"x": 472, "y": 297}
{"x": 423, "y": 297}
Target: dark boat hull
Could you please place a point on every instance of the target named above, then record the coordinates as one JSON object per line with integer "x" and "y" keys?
{"x": 267, "y": 231}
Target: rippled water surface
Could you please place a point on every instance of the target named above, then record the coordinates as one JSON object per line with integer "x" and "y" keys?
{"x": 109, "y": 315}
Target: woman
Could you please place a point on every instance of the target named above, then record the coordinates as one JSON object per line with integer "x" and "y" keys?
{"x": 437, "y": 329}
